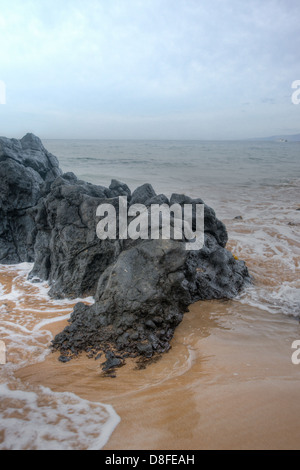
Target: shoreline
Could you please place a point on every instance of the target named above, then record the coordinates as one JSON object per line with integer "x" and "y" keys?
{"x": 227, "y": 383}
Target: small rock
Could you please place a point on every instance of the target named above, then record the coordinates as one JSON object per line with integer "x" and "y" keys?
{"x": 145, "y": 349}
{"x": 64, "y": 358}
{"x": 112, "y": 361}
{"x": 150, "y": 324}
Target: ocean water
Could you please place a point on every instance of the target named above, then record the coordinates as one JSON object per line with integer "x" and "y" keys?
{"x": 258, "y": 182}
{"x": 174, "y": 166}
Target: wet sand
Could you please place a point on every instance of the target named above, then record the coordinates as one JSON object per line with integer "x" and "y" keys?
{"x": 228, "y": 382}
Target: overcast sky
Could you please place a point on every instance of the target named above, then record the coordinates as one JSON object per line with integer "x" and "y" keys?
{"x": 157, "y": 69}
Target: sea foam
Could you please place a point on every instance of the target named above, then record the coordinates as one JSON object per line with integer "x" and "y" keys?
{"x": 39, "y": 418}
{"x": 47, "y": 420}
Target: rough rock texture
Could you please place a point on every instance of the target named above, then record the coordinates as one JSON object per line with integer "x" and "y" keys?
{"x": 142, "y": 296}
{"x": 68, "y": 252}
{"x": 26, "y": 168}
{"x": 139, "y": 301}
{"x": 141, "y": 288}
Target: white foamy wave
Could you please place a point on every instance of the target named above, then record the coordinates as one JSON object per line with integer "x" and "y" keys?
{"x": 41, "y": 288}
{"x": 47, "y": 420}
{"x": 21, "y": 268}
{"x": 40, "y": 418}
{"x": 284, "y": 299}
{"x": 268, "y": 239}
{"x": 24, "y": 347}
{"x": 48, "y": 321}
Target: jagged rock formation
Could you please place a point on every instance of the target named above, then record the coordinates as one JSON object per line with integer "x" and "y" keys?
{"x": 26, "y": 169}
{"x": 141, "y": 288}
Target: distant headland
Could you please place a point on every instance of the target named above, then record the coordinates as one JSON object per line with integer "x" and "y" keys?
{"x": 278, "y": 138}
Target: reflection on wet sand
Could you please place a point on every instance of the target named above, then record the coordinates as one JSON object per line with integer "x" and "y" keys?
{"x": 228, "y": 382}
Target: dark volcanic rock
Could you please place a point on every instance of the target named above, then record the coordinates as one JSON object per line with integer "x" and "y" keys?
{"x": 140, "y": 299}
{"x": 112, "y": 361}
{"x": 142, "y": 295}
{"x": 68, "y": 252}
{"x": 142, "y": 288}
{"x": 142, "y": 194}
{"x": 26, "y": 168}
{"x": 117, "y": 188}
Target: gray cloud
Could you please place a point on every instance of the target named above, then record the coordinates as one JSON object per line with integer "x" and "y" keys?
{"x": 138, "y": 68}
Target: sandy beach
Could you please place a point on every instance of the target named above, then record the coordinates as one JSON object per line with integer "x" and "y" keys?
{"x": 228, "y": 382}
